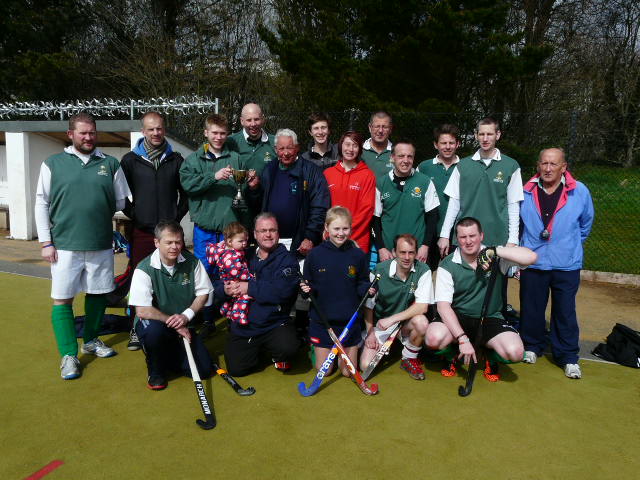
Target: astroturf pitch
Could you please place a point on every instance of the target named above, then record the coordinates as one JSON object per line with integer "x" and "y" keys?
{"x": 535, "y": 424}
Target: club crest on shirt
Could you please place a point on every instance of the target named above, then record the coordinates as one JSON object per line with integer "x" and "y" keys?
{"x": 355, "y": 186}
{"x": 385, "y": 195}
{"x": 294, "y": 188}
{"x": 320, "y": 270}
{"x": 267, "y": 157}
{"x": 499, "y": 178}
{"x": 351, "y": 271}
{"x": 103, "y": 171}
{"x": 412, "y": 288}
{"x": 185, "y": 279}
{"x": 416, "y": 192}
{"x": 305, "y": 185}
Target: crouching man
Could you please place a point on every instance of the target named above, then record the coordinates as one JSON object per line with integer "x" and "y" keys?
{"x": 461, "y": 284}
{"x": 169, "y": 288}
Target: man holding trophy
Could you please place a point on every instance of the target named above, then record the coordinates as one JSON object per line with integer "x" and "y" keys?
{"x": 213, "y": 178}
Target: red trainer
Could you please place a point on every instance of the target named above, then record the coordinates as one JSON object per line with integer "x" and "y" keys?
{"x": 282, "y": 366}
{"x": 413, "y": 367}
{"x": 449, "y": 371}
{"x": 491, "y": 372}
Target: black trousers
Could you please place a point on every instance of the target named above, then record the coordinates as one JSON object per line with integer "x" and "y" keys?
{"x": 165, "y": 352}
{"x": 242, "y": 353}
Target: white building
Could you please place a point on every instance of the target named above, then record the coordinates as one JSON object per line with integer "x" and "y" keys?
{"x": 24, "y": 145}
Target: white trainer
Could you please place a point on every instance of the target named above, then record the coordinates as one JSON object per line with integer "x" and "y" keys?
{"x": 530, "y": 357}
{"x": 572, "y": 370}
{"x": 69, "y": 367}
{"x": 98, "y": 348}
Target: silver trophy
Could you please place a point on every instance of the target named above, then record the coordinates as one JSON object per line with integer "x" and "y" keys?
{"x": 240, "y": 177}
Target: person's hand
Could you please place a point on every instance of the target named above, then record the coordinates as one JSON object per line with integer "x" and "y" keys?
{"x": 184, "y": 332}
{"x": 304, "y": 286}
{"x": 443, "y": 246}
{"x": 229, "y": 288}
{"x": 372, "y": 291}
{"x": 486, "y": 256}
{"x": 467, "y": 351}
{"x": 423, "y": 253}
{"x": 177, "y": 320}
{"x": 305, "y": 247}
{"x": 371, "y": 341}
{"x": 50, "y": 254}
{"x": 224, "y": 173}
{"x": 253, "y": 180}
{"x": 384, "y": 254}
{"x": 385, "y": 323}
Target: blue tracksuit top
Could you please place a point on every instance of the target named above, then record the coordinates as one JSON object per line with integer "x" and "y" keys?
{"x": 569, "y": 227}
{"x": 339, "y": 277}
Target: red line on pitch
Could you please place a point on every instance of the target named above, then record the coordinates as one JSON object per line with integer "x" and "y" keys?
{"x": 45, "y": 470}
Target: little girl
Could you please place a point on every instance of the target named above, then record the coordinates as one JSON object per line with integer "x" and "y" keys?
{"x": 228, "y": 257}
{"x": 336, "y": 271}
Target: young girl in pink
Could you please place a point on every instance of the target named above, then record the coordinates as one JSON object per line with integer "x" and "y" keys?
{"x": 229, "y": 257}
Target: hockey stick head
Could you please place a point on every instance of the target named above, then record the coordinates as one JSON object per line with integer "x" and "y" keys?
{"x": 207, "y": 424}
{"x": 245, "y": 392}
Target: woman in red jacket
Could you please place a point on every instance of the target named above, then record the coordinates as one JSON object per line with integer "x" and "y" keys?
{"x": 353, "y": 185}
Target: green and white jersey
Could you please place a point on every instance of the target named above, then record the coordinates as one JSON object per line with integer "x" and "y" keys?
{"x": 379, "y": 163}
{"x": 403, "y": 212}
{"x": 488, "y": 190}
{"x": 76, "y": 198}
{"x": 439, "y": 175}
{"x": 255, "y": 155}
{"x": 170, "y": 289}
{"x": 464, "y": 288}
{"x": 396, "y": 295}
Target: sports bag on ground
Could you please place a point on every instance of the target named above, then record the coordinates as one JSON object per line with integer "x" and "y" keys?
{"x": 622, "y": 346}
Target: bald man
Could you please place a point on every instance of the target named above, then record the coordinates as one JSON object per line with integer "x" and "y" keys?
{"x": 253, "y": 144}
{"x": 152, "y": 170}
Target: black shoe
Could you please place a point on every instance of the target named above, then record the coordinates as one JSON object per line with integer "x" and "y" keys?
{"x": 156, "y": 382}
{"x": 208, "y": 329}
{"x": 134, "y": 341}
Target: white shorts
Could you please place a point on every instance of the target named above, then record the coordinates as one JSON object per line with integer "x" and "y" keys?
{"x": 383, "y": 335}
{"x": 81, "y": 271}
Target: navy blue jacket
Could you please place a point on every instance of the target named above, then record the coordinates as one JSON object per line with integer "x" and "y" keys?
{"x": 314, "y": 202}
{"x": 339, "y": 277}
{"x": 274, "y": 291}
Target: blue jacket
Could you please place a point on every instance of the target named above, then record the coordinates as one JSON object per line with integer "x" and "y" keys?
{"x": 274, "y": 290}
{"x": 568, "y": 229}
{"x": 339, "y": 277}
{"x": 314, "y": 203}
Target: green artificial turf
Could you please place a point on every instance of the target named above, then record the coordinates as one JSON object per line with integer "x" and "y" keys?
{"x": 535, "y": 424}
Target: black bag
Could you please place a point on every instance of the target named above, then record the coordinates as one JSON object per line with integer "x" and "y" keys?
{"x": 623, "y": 347}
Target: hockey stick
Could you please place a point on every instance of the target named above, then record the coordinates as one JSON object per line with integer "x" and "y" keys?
{"x": 317, "y": 381}
{"x": 353, "y": 372}
{"x": 465, "y": 390}
{"x": 232, "y": 381}
{"x": 210, "y": 419}
{"x": 382, "y": 351}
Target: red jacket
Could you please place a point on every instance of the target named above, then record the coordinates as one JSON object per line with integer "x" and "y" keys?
{"x": 355, "y": 190}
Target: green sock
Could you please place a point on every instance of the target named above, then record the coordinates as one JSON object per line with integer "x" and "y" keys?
{"x": 94, "y": 307}
{"x": 493, "y": 356}
{"x": 447, "y": 352}
{"x": 64, "y": 329}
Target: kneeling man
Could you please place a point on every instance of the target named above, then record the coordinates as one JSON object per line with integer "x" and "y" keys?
{"x": 461, "y": 283}
{"x": 169, "y": 288}
{"x": 405, "y": 291}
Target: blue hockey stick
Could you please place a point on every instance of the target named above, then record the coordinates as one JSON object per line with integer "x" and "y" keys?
{"x": 326, "y": 366}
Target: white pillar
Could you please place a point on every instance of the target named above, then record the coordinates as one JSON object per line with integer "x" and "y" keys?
{"x": 20, "y": 195}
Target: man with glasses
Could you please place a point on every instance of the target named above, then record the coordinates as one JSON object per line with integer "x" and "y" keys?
{"x": 377, "y": 150}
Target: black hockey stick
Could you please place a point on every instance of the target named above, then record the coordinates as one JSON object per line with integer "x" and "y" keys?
{"x": 353, "y": 371}
{"x": 232, "y": 381}
{"x": 210, "y": 419}
{"x": 465, "y": 390}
